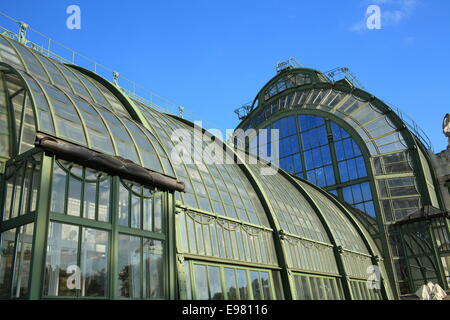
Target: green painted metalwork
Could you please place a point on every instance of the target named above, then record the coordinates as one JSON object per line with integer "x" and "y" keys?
{"x": 235, "y": 188}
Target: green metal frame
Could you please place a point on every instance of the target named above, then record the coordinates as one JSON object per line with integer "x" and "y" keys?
{"x": 43, "y": 216}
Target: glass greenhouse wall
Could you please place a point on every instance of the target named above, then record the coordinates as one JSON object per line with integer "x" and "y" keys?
{"x": 81, "y": 219}
{"x": 350, "y": 143}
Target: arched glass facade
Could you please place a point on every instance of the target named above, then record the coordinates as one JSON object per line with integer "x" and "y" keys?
{"x": 350, "y": 143}
{"x": 81, "y": 219}
{"x": 319, "y": 150}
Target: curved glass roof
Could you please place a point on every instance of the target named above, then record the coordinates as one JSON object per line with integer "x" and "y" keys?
{"x": 384, "y": 135}
{"x": 343, "y": 231}
{"x": 220, "y": 188}
{"x": 294, "y": 213}
{"x": 77, "y": 108}
{"x": 73, "y": 106}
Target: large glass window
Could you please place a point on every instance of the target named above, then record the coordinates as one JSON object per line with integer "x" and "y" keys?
{"x": 140, "y": 268}
{"x": 308, "y": 146}
{"x": 318, "y": 288}
{"x": 140, "y": 207}
{"x": 16, "y": 246}
{"x": 360, "y": 291}
{"x": 80, "y": 192}
{"x": 21, "y": 188}
{"x": 219, "y": 282}
{"x": 207, "y": 235}
{"x": 76, "y": 261}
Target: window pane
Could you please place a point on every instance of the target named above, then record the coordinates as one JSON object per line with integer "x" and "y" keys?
{"x": 230, "y": 284}
{"x": 90, "y": 192}
{"x": 148, "y": 214}
{"x": 215, "y": 283}
{"x": 129, "y": 267}
{"x": 74, "y": 199}
{"x": 243, "y": 284}
{"x": 135, "y": 211}
{"x": 123, "y": 205}
{"x": 62, "y": 252}
{"x": 23, "y": 260}
{"x": 187, "y": 274}
{"x": 94, "y": 263}
{"x": 256, "y": 286}
{"x": 103, "y": 200}
{"x": 6, "y": 261}
{"x": 58, "y": 189}
{"x": 153, "y": 269}
{"x": 158, "y": 213}
{"x": 265, "y": 285}
{"x": 201, "y": 283}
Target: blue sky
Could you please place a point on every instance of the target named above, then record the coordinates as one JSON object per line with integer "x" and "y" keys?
{"x": 212, "y": 56}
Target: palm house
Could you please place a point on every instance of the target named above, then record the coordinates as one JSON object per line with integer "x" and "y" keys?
{"x": 100, "y": 200}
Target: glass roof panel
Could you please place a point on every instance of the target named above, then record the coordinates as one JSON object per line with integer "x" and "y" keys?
{"x": 293, "y": 211}
{"x": 343, "y": 231}
{"x": 31, "y": 61}
{"x": 125, "y": 145}
{"x": 219, "y": 188}
{"x": 78, "y": 87}
{"x": 93, "y": 90}
{"x": 117, "y": 106}
{"x": 8, "y": 54}
{"x": 68, "y": 121}
{"x": 41, "y": 104}
{"x": 96, "y": 129}
{"x": 54, "y": 72}
{"x": 146, "y": 149}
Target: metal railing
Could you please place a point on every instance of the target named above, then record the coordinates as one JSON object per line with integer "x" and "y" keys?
{"x": 412, "y": 126}
{"x": 57, "y": 51}
{"x": 340, "y": 73}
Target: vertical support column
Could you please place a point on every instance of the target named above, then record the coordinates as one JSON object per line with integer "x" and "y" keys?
{"x": 114, "y": 253}
{"x": 40, "y": 229}
{"x": 182, "y": 286}
{"x": 170, "y": 244}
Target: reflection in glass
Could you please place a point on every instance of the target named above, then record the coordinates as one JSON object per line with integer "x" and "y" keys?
{"x": 62, "y": 252}
{"x": 230, "y": 284}
{"x": 265, "y": 285}
{"x": 153, "y": 269}
{"x": 158, "y": 214}
{"x": 24, "y": 248}
{"x": 256, "y": 285}
{"x": 94, "y": 263}
{"x": 74, "y": 198}
{"x": 103, "y": 200}
{"x": 243, "y": 284}
{"x": 6, "y": 262}
{"x": 123, "y": 205}
{"x": 148, "y": 214}
{"x": 129, "y": 267}
{"x": 215, "y": 283}
{"x": 58, "y": 189}
{"x": 89, "y": 206}
{"x": 201, "y": 282}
